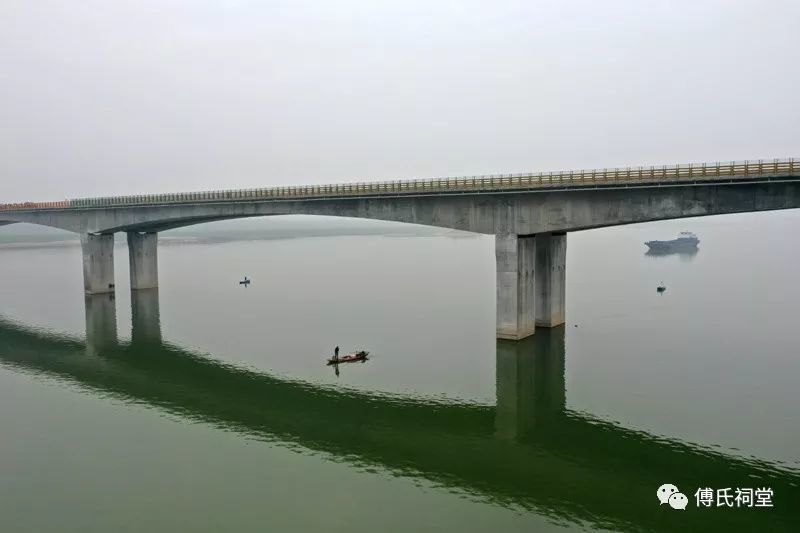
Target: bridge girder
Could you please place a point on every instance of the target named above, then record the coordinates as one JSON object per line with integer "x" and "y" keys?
{"x": 520, "y": 213}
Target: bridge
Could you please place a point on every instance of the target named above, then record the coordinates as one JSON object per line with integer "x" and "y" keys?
{"x": 530, "y": 215}
{"x": 529, "y": 451}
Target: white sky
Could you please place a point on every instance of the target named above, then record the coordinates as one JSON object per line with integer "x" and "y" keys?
{"x": 105, "y": 97}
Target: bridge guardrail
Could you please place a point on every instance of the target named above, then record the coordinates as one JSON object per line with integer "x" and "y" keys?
{"x": 486, "y": 183}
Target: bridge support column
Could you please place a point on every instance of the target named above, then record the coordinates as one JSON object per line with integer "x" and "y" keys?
{"x": 98, "y": 263}
{"x": 143, "y": 256}
{"x": 551, "y": 278}
{"x": 515, "y": 256}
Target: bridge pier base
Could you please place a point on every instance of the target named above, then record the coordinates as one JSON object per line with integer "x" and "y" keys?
{"x": 98, "y": 263}
{"x": 515, "y": 256}
{"x": 551, "y": 278}
{"x": 143, "y": 257}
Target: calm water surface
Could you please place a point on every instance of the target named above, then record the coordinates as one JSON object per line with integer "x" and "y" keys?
{"x": 206, "y": 406}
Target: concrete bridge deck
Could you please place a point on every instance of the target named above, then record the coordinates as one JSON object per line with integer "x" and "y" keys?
{"x": 530, "y": 215}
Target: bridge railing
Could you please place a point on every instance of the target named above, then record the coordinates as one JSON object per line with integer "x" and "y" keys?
{"x": 463, "y": 184}
{"x": 62, "y": 204}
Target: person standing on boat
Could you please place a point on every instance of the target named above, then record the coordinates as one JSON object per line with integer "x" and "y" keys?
{"x": 336, "y": 353}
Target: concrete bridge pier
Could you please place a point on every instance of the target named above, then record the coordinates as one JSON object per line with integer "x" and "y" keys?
{"x": 143, "y": 257}
{"x": 531, "y": 283}
{"x": 98, "y": 262}
{"x": 551, "y": 278}
{"x": 515, "y": 256}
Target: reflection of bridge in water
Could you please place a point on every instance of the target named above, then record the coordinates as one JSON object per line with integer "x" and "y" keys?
{"x": 528, "y": 452}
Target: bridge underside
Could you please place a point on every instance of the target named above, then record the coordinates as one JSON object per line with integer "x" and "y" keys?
{"x": 530, "y": 228}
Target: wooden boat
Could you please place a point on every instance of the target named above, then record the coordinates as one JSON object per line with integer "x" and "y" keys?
{"x": 350, "y": 358}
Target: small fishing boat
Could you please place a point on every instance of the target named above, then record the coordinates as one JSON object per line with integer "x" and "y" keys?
{"x": 350, "y": 358}
{"x": 245, "y": 282}
{"x": 661, "y": 288}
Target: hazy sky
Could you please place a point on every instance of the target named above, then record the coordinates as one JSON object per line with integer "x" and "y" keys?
{"x": 121, "y": 97}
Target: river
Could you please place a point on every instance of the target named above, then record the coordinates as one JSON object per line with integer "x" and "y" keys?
{"x": 211, "y": 408}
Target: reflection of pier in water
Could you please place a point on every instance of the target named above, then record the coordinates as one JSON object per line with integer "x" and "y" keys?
{"x": 527, "y": 452}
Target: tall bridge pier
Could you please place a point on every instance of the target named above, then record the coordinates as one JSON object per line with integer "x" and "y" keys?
{"x": 143, "y": 256}
{"x": 531, "y": 283}
{"x": 98, "y": 261}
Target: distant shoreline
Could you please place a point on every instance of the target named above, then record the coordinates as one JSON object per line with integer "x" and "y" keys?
{"x": 224, "y": 238}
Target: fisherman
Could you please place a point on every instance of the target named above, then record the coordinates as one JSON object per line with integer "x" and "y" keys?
{"x": 336, "y": 353}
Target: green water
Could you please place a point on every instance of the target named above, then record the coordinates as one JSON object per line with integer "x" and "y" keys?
{"x": 206, "y": 406}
